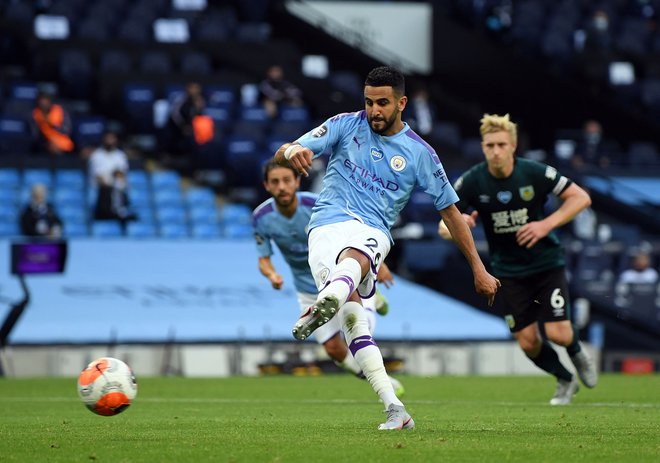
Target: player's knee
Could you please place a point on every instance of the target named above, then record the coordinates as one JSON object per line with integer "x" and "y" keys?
{"x": 530, "y": 345}
{"x": 562, "y": 335}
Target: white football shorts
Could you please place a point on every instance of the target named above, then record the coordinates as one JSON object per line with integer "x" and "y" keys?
{"x": 327, "y": 242}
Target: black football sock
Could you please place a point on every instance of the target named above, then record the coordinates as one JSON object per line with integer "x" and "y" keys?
{"x": 548, "y": 360}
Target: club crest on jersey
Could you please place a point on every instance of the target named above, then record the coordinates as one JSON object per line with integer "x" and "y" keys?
{"x": 510, "y": 321}
{"x": 376, "y": 154}
{"x": 398, "y": 163}
{"x": 527, "y": 192}
{"x": 320, "y": 131}
{"x": 504, "y": 196}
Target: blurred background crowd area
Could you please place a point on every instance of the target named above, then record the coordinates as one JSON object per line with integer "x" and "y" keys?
{"x": 199, "y": 93}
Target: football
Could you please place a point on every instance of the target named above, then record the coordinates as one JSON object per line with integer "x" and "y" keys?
{"x": 107, "y": 386}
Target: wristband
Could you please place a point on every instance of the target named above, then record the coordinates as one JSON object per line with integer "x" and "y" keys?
{"x": 289, "y": 151}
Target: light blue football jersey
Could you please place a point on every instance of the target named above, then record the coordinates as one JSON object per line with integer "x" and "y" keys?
{"x": 290, "y": 236}
{"x": 370, "y": 177}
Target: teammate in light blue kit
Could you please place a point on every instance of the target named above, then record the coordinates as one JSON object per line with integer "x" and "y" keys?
{"x": 376, "y": 161}
{"x": 283, "y": 219}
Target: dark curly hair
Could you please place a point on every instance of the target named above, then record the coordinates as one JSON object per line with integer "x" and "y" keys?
{"x": 387, "y": 76}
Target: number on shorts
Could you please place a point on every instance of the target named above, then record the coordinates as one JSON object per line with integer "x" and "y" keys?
{"x": 372, "y": 244}
{"x": 556, "y": 299}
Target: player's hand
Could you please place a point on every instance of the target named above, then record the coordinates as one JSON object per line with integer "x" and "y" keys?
{"x": 530, "y": 234}
{"x": 486, "y": 285}
{"x": 301, "y": 160}
{"x": 471, "y": 219}
{"x": 276, "y": 280}
{"x": 385, "y": 276}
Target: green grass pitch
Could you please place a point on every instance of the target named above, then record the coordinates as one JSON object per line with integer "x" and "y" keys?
{"x": 333, "y": 419}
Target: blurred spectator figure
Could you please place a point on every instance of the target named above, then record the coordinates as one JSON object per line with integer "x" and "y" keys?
{"x": 188, "y": 126}
{"x": 112, "y": 201}
{"x": 106, "y": 160}
{"x": 53, "y": 126}
{"x": 641, "y": 271}
{"x": 421, "y": 112}
{"x": 599, "y": 35}
{"x": 592, "y": 149}
{"x": 39, "y": 217}
{"x": 585, "y": 225}
{"x": 275, "y": 91}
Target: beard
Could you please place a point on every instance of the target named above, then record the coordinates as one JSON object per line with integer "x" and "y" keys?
{"x": 387, "y": 123}
{"x": 285, "y": 201}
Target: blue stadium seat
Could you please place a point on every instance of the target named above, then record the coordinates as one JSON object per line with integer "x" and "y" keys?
{"x": 241, "y": 146}
{"x": 199, "y": 196}
{"x": 165, "y": 179}
{"x": 205, "y": 231}
{"x": 76, "y": 73}
{"x": 24, "y": 91}
{"x": 196, "y": 63}
{"x": 70, "y": 178}
{"x": 236, "y": 214}
{"x": 135, "y": 30}
{"x": 238, "y": 230}
{"x": 75, "y": 229}
{"x": 294, "y": 114}
{"x": 9, "y": 212}
{"x": 138, "y": 180}
{"x": 88, "y": 130}
{"x": 155, "y": 62}
{"x": 115, "y": 62}
{"x": 9, "y": 229}
{"x": 138, "y": 105}
{"x": 174, "y": 231}
{"x": 32, "y": 176}
{"x": 167, "y": 197}
{"x": 258, "y": 32}
{"x": 139, "y": 197}
{"x": 145, "y": 214}
{"x": 219, "y": 95}
{"x": 94, "y": 29}
{"x": 171, "y": 215}
{"x": 253, "y": 113}
{"x": 10, "y": 178}
{"x": 9, "y": 195}
{"x": 106, "y": 229}
{"x": 72, "y": 213}
{"x": 203, "y": 214}
{"x": 67, "y": 196}
{"x": 140, "y": 230}
{"x": 15, "y": 137}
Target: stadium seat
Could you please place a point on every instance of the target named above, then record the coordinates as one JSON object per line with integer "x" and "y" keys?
{"x": 237, "y": 230}
{"x": 140, "y": 230}
{"x": 10, "y": 178}
{"x": 9, "y": 212}
{"x": 106, "y": 229}
{"x": 138, "y": 105}
{"x": 219, "y": 95}
{"x": 171, "y": 215}
{"x": 155, "y": 62}
{"x": 32, "y": 176}
{"x": 88, "y": 130}
{"x": 205, "y": 231}
{"x": 8, "y": 229}
{"x": 15, "y": 138}
{"x": 23, "y": 91}
{"x": 69, "y": 196}
{"x": 9, "y": 195}
{"x": 258, "y": 32}
{"x": 139, "y": 197}
{"x": 70, "y": 178}
{"x": 74, "y": 229}
{"x": 94, "y": 29}
{"x": 236, "y": 214}
{"x": 174, "y": 231}
{"x": 196, "y": 63}
{"x": 199, "y": 197}
{"x": 253, "y": 113}
{"x": 168, "y": 197}
{"x": 115, "y": 62}
{"x": 135, "y": 31}
{"x": 138, "y": 180}
{"x": 203, "y": 214}
{"x": 76, "y": 73}
{"x": 72, "y": 213}
{"x": 294, "y": 114}
{"x": 165, "y": 179}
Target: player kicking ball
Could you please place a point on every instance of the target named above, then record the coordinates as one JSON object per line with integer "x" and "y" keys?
{"x": 375, "y": 163}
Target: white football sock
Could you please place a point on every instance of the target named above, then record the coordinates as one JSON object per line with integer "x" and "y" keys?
{"x": 366, "y": 352}
{"x": 350, "y": 364}
{"x": 343, "y": 280}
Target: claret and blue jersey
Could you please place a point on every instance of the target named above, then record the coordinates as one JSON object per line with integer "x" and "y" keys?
{"x": 370, "y": 177}
{"x": 290, "y": 236}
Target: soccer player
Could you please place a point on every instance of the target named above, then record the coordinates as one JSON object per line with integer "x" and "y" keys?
{"x": 509, "y": 194}
{"x": 283, "y": 219}
{"x": 375, "y": 163}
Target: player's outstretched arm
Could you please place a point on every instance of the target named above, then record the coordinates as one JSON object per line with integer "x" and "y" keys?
{"x": 268, "y": 270}
{"x": 484, "y": 283}
{"x": 295, "y": 155}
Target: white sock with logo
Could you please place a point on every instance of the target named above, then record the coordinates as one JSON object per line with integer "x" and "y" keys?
{"x": 350, "y": 364}
{"x": 366, "y": 352}
{"x": 343, "y": 280}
